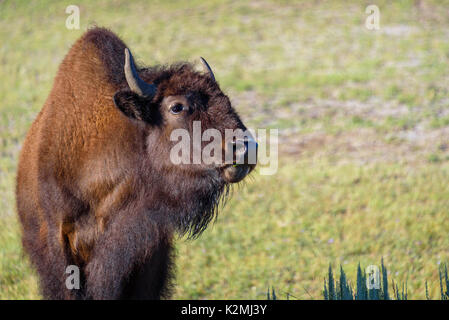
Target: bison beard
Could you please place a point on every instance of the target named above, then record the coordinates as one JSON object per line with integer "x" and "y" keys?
{"x": 95, "y": 186}
{"x": 197, "y": 216}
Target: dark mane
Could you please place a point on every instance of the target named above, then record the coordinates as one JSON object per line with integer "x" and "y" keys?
{"x": 180, "y": 77}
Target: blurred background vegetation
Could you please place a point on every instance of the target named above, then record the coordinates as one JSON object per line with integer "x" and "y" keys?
{"x": 363, "y": 117}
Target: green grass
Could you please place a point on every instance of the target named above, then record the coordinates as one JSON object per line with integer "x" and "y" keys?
{"x": 363, "y": 117}
{"x": 322, "y": 213}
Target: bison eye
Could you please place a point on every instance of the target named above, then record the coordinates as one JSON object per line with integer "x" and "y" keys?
{"x": 176, "y": 108}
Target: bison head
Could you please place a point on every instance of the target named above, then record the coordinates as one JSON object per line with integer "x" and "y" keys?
{"x": 176, "y": 98}
{"x": 164, "y": 100}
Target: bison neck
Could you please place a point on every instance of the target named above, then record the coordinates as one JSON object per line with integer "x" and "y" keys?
{"x": 183, "y": 200}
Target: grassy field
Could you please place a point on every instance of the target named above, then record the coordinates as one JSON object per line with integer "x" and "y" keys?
{"x": 363, "y": 118}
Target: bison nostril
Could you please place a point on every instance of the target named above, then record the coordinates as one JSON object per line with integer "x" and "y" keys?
{"x": 241, "y": 151}
{"x": 241, "y": 147}
{"x": 236, "y": 151}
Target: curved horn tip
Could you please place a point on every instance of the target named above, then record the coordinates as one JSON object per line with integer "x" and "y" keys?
{"x": 129, "y": 58}
{"x": 207, "y": 68}
{"x": 135, "y": 83}
{"x": 127, "y": 55}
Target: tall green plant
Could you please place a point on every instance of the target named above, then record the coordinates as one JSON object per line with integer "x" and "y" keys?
{"x": 343, "y": 289}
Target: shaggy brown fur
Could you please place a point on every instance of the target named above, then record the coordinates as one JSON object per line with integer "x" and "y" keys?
{"x": 95, "y": 186}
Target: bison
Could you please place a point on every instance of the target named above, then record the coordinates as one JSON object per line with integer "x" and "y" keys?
{"x": 96, "y": 187}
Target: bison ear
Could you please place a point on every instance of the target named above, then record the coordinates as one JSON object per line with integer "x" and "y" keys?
{"x": 132, "y": 105}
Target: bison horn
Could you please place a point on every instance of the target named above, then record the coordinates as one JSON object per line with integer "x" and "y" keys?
{"x": 207, "y": 68}
{"x": 135, "y": 83}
